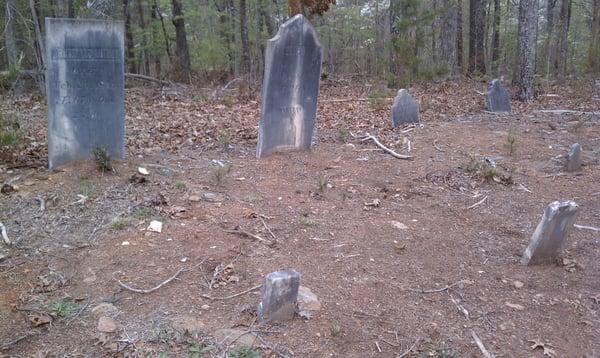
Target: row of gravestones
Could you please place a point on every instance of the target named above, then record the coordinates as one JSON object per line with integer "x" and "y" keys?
{"x": 85, "y": 86}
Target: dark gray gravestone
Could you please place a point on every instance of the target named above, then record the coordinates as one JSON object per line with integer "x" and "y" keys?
{"x": 573, "y": 162}
{"x": 551, "y": 233}
{"x": 497, "y": 98}
{"x": 404, "y": 109}
{"x": 290, "y": 88}
{"x": 85, "y": 87}
{"x": 279, "y": 294}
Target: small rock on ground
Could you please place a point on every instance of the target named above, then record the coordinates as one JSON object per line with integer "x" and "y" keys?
{"x": 107, "y": 324}
{"x": 232, "y": 336}
{"x": 105, "y": 309}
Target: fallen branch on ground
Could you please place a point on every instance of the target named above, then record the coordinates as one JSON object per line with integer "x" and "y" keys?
{"x": 337, "y": 100}
{"x": 564, "y": 111}
{"x": 139, "y": 290}
{"x": 478, "y": 203}
{"x": 436, "y": 146}
{"x": 250, "y": 235}
{"x": 410, "y": 349}
{"x": 266, "y": 227}
{"x": 232, "y": 296}
{"x": 479, "y": 343}
{"x": 146, "y": 78}
{"x": 584, "y": 227}
{"x": 4, "y": 234}
{"x": 440, "y": 289}
{"x": 386, "y": 149}
{"x": 7, "y": 345}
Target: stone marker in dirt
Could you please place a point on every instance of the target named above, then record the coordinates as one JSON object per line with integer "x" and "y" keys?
{"x": 290, "y": 88}
{"x": 404, "y": 109}
{"x": 85, "y": 87}
{"x": 497, "y": 98}
{"x": 279, "y": 293}
{"x": 573, "y": 163}
{"x": 551, "y": 233}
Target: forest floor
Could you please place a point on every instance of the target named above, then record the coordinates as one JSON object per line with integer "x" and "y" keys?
{"x": 408, "y": 258}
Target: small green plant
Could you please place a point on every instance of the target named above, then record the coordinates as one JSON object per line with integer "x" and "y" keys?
{"x": 64, "y": 308}
{"x": 219, "y": 172}
{"x": 308, "y": 222}
{"x": 86, "y": 187}
{"x": 102, "y": 159}
{"x": 179, "y": 185}
{"x": 335, "y": 329}
{"x": 244, "y": 352}
{"x": 119, "y": 224}
{"x": 196, "y": 350}
{"x": 8, "y": 78}
{"x": 141, "y": 213}
{"x": 343, "y": 134}
{"x": 511, "y": 141}
{"x": 224, "y": 138}
{"x": 10, "y": 131}
{"x": 322, "y": 184}
{"x": 488, "y": 171}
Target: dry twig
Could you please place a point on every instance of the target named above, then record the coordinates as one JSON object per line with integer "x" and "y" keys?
{"x": 232, "y": 296}
{"x": 410, "y": 349}
{"x": 478, "y": 203}
{"x": 266, "y": 227}
{"x": 584, "y": 227}
{"x": 139, "y": 290}
{"x": 440, "y": 289}
{"x": 249, "y": 235}
{"x": 384, "y": 148}
{"x": 482, "y": 348}
{"x": 4, "y": 234}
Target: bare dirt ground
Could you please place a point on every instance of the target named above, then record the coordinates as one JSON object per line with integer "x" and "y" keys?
{"x": 408, "y": 257}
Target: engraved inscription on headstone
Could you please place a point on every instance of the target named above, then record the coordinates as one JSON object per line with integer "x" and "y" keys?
{"x": 497, "y": 98}
{"x": 85, "y": 86}
{"x": 290, "y": 88}
{"x": 404, "y": 109}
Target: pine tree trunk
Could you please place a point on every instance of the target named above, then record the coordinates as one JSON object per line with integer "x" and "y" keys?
{"x": 527, "y": 38}
{"x": 244, "y": 37}
{"x": 549, "y": 45}
{"x": 560, "y": 64}
{"x": 496, "y": 38}
{"x": 181, "y": 45}
{"x": 476, "y": 37}
{"x": 459, "y": 36}
{"x": 144, "y": 53}
{"x": 10, "y": 40}
{"x": 449, "y": 35}
{"x": 593, "y": 62}
{"x": 129, "y": 44}
{"x": 265, "y": 12}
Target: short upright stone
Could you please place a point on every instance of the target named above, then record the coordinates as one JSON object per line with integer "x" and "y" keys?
{"x": 404, "y": 109}
{"x": 279, "y": 294}
{"x": 85, "y": 89}
{"x": 290, "y": 88}
{"x": 497, "y": 98}
{"x": 551, "y": 233}
{"x": 573, "y": 162}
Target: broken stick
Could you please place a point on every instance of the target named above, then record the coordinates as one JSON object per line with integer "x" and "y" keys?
{"x": 482, "y": 348}
{"x": 233, "y": 296}
{"x": 4, "y": 234}
{"x": 139, "y": 290}
{"x": 250, "y": 235}
{"x": 386, "y": 149}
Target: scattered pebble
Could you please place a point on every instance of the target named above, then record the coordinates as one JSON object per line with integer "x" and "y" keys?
{"x": 143, "y": 171}
{"x": 155, "y": 226}
{"x": 518, "y": 284}
{"x": 107, "y": 324}
{"x": 516, "y": 306}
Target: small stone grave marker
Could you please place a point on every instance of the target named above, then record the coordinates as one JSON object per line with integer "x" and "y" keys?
{"x": 85, "y": 89}
{"x": 290, "y": 88}
{"x": 497, "y": 98}
{"x": 279, "y": 294}
{"x": 573, "y": 163}
{"x": 551, "y": 233}
{"x": 404, "y": 109}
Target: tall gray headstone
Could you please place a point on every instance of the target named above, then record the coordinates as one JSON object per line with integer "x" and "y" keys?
{"x": 290, "y": 88}
{"x": 551, "y": 233}
{"x": 85, "y": 89}
{"x": 279, "y": 294}
{"x": 497, "y": 98}
{"x": 573, "y": 160}
{"x": 404, "y": 109}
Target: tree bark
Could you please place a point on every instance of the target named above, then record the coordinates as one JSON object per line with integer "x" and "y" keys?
{"x": 39, "y": 47}
{"x": 549, "y": 45}
{"x": 244, "y": 37}
{"x": 476, "y": 37}
{"x": 449, "y": 35}
{"x": 157, "y": 14}
{"x": 560, "y": 61}
{"x": 294, "y": 7}
{"x": 181, "y": 45}
{"x": 593, "y": 63}
{"x": 10, "y": 40}
{"x": 459, "y": 36}
{"x": 496, "y": 38}
{"x": 144, "y": 53}
{"x": 527, "y": 38}
{"x": 129, "y": 44}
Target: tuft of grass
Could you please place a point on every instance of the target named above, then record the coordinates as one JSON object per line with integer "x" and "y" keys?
{"x": 102, "y": 159}
{"x": 179, "y": 185}
{"x": 119, "y": 224}
{"x": 244, "y": 352}
{"x": 335, "y": 329}
{"x": 219, "y": 172}
{"x": 343, "y": 134}
{"x": 86, "y": 187}
{"x": 196, "y": 350}
{"x": 64, "y": 308}
{"x": 141, "y": 213}
{"x": 10, "y": 131}
{"x": 488, "y": 172}
{"x": 224, "y": 138}
{"x": 322, "y": 184}
{"x": 308, "y": 222}
{"x": 511, "y": 141}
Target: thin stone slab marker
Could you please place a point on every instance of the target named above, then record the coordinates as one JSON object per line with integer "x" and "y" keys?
{"x": 85, "y": 89}
{"x": 404, "y": 109}
{"x": 551, "y": 233}
{"x": 573, "y": 162}
{"x": 290, "y": 88}
{"x": 279, "y": 294}
{"x": 497, "y": 98}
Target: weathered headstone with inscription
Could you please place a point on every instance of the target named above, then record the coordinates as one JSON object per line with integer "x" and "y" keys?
{"x": 279, "y": 294}
{"x": 404, "y": 109}
{"x": 551, "y": 233}
{"x": 497, "y": 98}
{"x": 85, "y": 89}
{"x": 290, "y": 88}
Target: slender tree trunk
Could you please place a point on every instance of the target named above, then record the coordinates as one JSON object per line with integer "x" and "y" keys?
{"x": 459, "y": 36}
{"x": 244, "y": 37}
{"x": 265, "y": 13}
{"x": 593, "y": 62}
{"x": 181, "y": 45}
{"x": 560, "y": 64}
{"x": 157, "y": 14}
{"x": 39, "y": 47}
{"x": 144, "y": 60}
{"x": 476, "y": 37}
{"x": 10, "y": 40}
{"x": 527, "y": 38}
{"x": 549, "y": 45}
{"x": 496, "y": 38}
{"x": 129, "y": 44}
{"x": 449, "y": 35}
